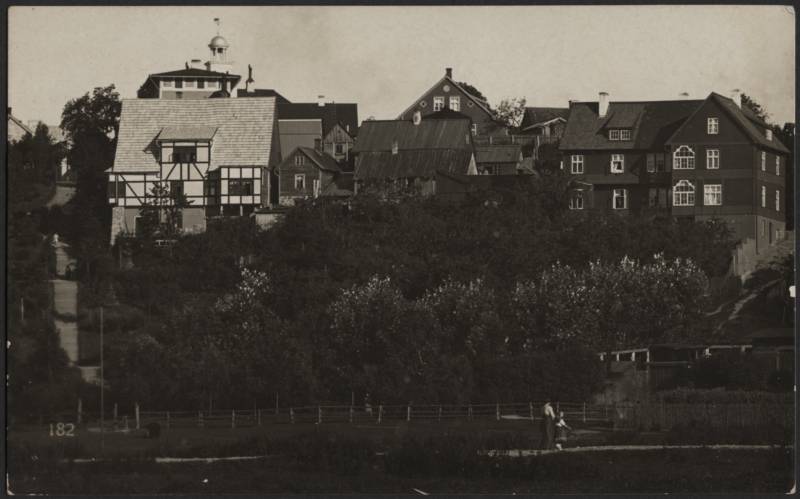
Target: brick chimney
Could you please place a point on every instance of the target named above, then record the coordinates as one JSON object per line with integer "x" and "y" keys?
{"x": 603, "y": 104}
{"x": 448, "y": 72}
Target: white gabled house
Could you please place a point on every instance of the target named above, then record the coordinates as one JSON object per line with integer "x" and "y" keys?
{"x": 215, "y": 151}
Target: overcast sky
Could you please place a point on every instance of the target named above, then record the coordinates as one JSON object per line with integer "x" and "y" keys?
{"x": 383, "y": 58}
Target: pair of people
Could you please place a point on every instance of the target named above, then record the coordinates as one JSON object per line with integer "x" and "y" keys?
{"x": 554, "y": 429}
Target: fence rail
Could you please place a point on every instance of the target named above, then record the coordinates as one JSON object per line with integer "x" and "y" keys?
{"x": 621, "y": 415}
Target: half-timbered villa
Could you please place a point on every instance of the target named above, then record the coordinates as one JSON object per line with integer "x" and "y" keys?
{"x": 213, "y": 151}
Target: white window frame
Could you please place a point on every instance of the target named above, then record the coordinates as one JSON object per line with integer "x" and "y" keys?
{"x": 474, "y": 129}
{"x": 302, "y": 178}
{"x": 168, "y": 83}
{"x": 650, "y": 160}
{"x": 777, "y": 166}
{"x": 620, "y": 160}
{"x": 617, "y": 194}
{"x": 576, "y": 201}
{"x": 683, "y": 193}
{"x": 712, "y": 195}
{"x": 455, "y": 103}
{"x": 613, "y": 134}
{"x": 299, "y": 160}
{"x": 712, "y": 159}
{"x": 624, "y": 135}
{"x": 315, "y": 183}
{"x": 686, "y": 154}
{"x": 763, "y": 161}
{"x": 712, "y": 126}
{"x": 763, "y": 196}
{"x": 576, "y": 164}
{"x": 777, "y": 200}
{"x": 189, "y": 83}
{"x": 438, "y": 103}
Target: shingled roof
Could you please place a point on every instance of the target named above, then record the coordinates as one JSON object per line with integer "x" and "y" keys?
{"x": 498, "y": 153}
{"x": 539, "y": 115}
{"x": 740, "y": 116}
{"x": 243, "y": 137}
{"x": 651, "y": 123}
{"x": 324, "y": 161}
{"x": 331, "y": 114}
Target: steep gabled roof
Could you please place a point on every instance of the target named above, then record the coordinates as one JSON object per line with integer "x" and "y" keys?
{"x": 341, "y": 186}
{"x": 378, "y": 136}
{"x": 19, "y": 123}
{"x": 540, "y": 115}
{"x": 322, "y": 160}
{"x": 482, "y": 104}
{"x": 739, "y": 115}
{"x": 651, "y": 124}
{"x": 244, "y": 130}
{"x": 331, "y": 114}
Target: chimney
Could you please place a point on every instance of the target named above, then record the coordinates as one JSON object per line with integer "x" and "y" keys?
{"x": 683, "y": 95}
{"x": 603, "y": 104}
{"x": 448, "y": 72}
{"x": 320, "y": 100}
{"x": 187, "y": 65}
{"x": 416, "y": 118}
{"x": 736, "y": 95}
{"x": 249, "y": 79}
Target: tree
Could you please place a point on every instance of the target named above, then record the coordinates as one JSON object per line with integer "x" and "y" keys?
{"x": 162, "y": 211}
{"x": 472, "y": 90}
{"x": 754, "y": 106}
{"x": 510, "y": 112}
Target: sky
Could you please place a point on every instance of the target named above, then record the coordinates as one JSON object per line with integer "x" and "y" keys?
{"x": 384, "y": 58}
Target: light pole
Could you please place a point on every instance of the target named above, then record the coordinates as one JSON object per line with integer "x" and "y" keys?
{"x": 102, "y": 389}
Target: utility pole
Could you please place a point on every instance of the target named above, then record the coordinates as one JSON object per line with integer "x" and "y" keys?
{"x": 102, "y": 388}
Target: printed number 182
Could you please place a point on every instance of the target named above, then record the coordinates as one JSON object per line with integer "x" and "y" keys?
{"x": 62, "y": 430}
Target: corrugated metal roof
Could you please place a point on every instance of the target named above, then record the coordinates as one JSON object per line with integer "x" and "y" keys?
{"x": 187, "y": 133}
{"x": 378, "y": 136}
{"x": 411, "y": 163}
{"x": 243, "y": 137}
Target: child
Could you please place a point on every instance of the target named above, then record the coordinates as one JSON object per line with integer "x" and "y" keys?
{"x": 561, "y": 431}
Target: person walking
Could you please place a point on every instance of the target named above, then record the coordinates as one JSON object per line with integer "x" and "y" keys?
{"x": 561, "y": 431}
{"x": 548, "y": 426}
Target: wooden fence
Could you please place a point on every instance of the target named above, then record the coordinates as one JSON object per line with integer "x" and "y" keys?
{"x": 644, "y": 416}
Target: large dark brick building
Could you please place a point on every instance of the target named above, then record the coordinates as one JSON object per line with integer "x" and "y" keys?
{"x": 702, "y": 159}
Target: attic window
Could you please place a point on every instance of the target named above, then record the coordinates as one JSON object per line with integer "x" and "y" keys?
{"x": 769, "y": 135}
{"x": 394, "y": 147}
{"x": 438, "y": 103}
{"x": 624, "y": 135}
{"x": 613, "y": 135}
{"x": 713, "y": 126}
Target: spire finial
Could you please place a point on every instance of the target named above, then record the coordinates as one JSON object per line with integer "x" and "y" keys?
{"x": 216, "y": 21}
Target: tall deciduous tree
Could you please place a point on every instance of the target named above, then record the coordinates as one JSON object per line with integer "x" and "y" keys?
{"x": 510, "y": 112}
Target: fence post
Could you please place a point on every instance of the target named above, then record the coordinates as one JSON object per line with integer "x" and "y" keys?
{"x": 408, "y": 413}
{"x": 440, "y": 413}
{"x": 319, "y": 415}
{"x": 125, "y": 422}
{"x": 497, "y": 412}
{"x": 80, "y": 411}
{"x": 136, "y": 408}
{"x": 115, "y": 411}
{"x": 380, "y": 413}
{"x": 469, "y": 412}
{"x": 530, "y": 408}
{"x": 200, "y": 419}
{"x": 350, "y": 414}
{"x": 233, "y": 418}
{"x": 584, "y": 412}
{"x": 291, "y": 415}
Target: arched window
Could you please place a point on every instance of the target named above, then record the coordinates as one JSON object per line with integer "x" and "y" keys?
{"x": 683, "y": 194}
{"x": 683, "y": 158}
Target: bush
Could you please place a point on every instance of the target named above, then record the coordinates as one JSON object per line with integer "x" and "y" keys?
{"x": 153, "y": 430}
{"x": 722, "y": 396}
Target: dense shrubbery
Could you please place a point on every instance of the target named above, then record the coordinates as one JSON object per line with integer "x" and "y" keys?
{"x": 723, "y": 396}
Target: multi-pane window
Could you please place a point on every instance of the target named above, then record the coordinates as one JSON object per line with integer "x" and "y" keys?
{"x": 299, "y": 160}
{"x": 299, "y": 182}
{"x": 210, "y": 188}
{"x": 116, "y": 189}
{"x": 763, "y": 161}
{"x": 777, "y": 200}
{"x": 178, "y": 83}
{"x": 455, "y": 103}
{"x": 712, "y": 195}
{"x": 438, "y": 103}
{"x": 613, "y": 135}
{"x": 777, "y": 165}
{"x": 651, "y": 163}
{"x": 201, "y": 83}
{"x": 713, "y": 126}
{"x": 474, "y": 129}
{"x": 712, "y": 159}
{"x": 661, "y": 164}
{"x": 184, "y": 154}
{"x": 763, "y": 196}
{"x": 617, "y": 163}
{"x": 683, "y": 158}
{"x": 576, "y": 165}
{"x": 576, "y": 201}
{"x": 683, "y": 194}
{"x": 189, "y": 83}
{"x": 338, "y": 148}
{"x": 624, "y": 135}
{"x": 240, "y": 187}
{"x": 620, "y": 199}
{"x": 167, "y": 83}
